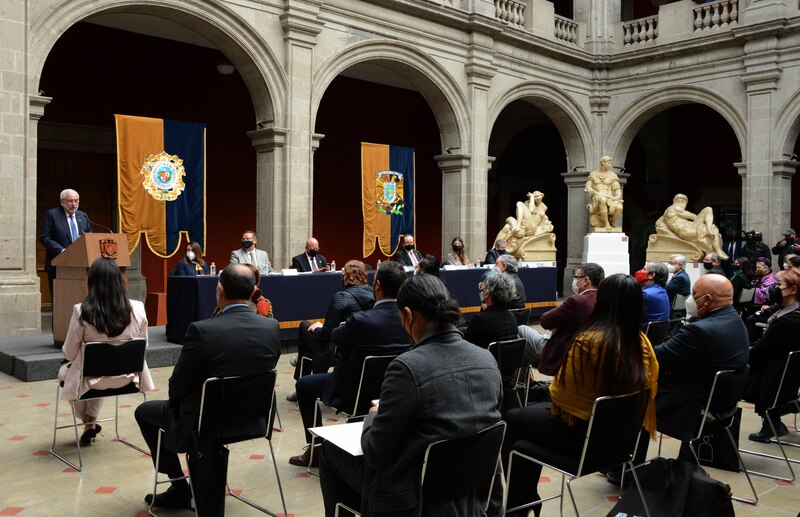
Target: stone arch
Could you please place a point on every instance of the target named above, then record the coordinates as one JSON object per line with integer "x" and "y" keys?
{"x": 446, "y": 100}
{"x": 565, "y": 113}
{"x": 787, "y": 128}
{"x": 638, "y": 113}
{"x": 247, "y": 51}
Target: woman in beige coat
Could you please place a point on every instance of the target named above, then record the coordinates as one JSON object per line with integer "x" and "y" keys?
{"x": 106, "y": 315}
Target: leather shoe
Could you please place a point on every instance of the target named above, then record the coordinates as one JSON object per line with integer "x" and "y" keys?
{"x": 293, "y": 360}
{"x": 765, "y": 434}
{"x": 89, "y": 435}
{"x": 292, "y": 397}
{"x": 174, "y": 497}
{"x": 613, "y": 477}
{"x": 302, "y": 460}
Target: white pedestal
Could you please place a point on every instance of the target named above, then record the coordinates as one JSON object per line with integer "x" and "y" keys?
{"x": 610, "y": 250}
{"x": 695, "y": 270}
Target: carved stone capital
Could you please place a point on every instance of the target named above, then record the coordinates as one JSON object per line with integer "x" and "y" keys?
{"x": 268, "y": 139}
{"x": 37, "y": 105}
{"x": 453, "y": 163}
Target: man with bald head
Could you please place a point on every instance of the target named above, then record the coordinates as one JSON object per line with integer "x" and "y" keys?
{"x": 311, "y": 260}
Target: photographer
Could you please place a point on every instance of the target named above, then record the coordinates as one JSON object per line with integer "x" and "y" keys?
{"x": 754, "y": 247}
{"x": 786, "y": 245}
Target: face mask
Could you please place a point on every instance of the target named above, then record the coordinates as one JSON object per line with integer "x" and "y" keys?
{"x": 737, "y": 267}
{"x": 190, "y": 255}
{"x": 501, "y": 252}
{"x": 246, "y": 244}
{"x": 708, "y": 266}
{"x": 409, "y": 247}
{"x": 775, "y": 295}
{"x": 671, "y": 269}
{"x": 313, "y": 252}
{"x": 785, "y": 266}
{"x": 481, "y": 295}
{"x": 457, "y": 248}
{"x": 408, "y": 332}
{"x": 575, "y": 286}
{"x": 691, "y": 307}
{"x": 640, "y": 276}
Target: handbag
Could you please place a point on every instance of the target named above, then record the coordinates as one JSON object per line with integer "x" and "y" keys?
{"x": 714, "y": 449}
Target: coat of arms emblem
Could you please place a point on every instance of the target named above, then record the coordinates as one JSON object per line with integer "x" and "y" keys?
{"x": 163, "y": 176}
{"x": 108, "y": 248}
{"x": 389, "y": 192}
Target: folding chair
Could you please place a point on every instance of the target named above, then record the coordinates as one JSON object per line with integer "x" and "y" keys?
{"x": 454, "y": 467}
{"x": 720, "y": 413}
{"x": 787, "y": 400}
{"x": 611, "y": 439}
{"x": 227, "y": 406}
{"x": 509, "y": 355}
{"x": 657, "y": 331}
{"x": 104, "y": 360}
{"x": 523, "y": 315}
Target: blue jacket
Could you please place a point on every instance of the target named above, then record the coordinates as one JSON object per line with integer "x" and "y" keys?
{"x": 185, "y": 269}
{"x": 55, "y": 234}
{"x": 656, "y": 304}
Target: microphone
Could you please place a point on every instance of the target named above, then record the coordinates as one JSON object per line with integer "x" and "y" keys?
{"x": 98, "y": 224}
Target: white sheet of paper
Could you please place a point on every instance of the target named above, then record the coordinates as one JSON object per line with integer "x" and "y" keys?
{"x": 345, "y": 436}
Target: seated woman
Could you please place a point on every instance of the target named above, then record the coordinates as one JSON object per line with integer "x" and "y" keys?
{"x": 193, "y": 263}
{"x": 768, "y": 354}
{"x": 258, "y": 303}
{"x": 743, "y": 278}
{"x": 495, "y": 322}
{"x": 458, "y": 254}
{"x": 610, "y": 357}
{"x": 106, "y": 315}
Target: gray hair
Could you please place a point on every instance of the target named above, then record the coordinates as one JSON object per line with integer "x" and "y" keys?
{"x": 499, "y": 242}
{"x": 66, "y": 192}
{"x": 501, "y": 287}
{"x": 660, "y": 272}
{"x": 680, "y": 259}
{"x": 593, "y": 271}
{"x": 713, "y": 256}
{"x": 510, "y": 262}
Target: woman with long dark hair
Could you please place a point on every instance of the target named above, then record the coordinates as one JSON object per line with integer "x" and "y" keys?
{"x": 610, "y": 356}
{"x": 105, "y": 315}
{"x": 192, "y": 263}
{"x": 743, "y": 277}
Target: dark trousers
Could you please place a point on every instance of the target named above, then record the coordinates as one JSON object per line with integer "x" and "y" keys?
{"x": 341, "y": 478}
{"x": 208, "y": 461}
{"x": 537, "y": 424}
{"x": 310, "y": 388}
{"x": 307, "y": 346}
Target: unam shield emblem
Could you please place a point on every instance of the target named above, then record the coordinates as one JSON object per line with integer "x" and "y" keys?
{"x": 163, "y": 176}
{"x": 389, "y": 192}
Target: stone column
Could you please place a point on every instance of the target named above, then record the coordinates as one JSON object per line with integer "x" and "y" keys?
{"x": 765, "y": 206}
{"x": 455, "y": 167}
{"x": 601, "y": 18}
{"x": 577, "y": 222}
{"x": 271, "y": 194}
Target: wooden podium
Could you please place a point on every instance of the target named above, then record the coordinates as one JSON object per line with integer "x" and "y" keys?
{"x": 72, "y": 268}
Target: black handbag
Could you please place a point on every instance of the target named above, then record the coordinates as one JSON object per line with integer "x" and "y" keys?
{"x": 714, "y": 449}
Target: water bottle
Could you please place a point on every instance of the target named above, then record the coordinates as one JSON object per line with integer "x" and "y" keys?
{"x": 333, "y": 265}
{"x": 213, "y": 269}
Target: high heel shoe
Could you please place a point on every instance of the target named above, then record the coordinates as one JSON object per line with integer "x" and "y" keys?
{"x": 89, "y": 435}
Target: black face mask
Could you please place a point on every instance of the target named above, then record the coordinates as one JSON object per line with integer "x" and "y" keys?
{"x": 409, "y": 247}
{"x": 313, "y": 252}
{"x": 501, "y": 252}
{"x": 246, "y": 244}
{"x": 775, "y": 295}
{"x": 458, "y": 249}
{"x": 708, "y": 266}
{"x": 737, "y": 267}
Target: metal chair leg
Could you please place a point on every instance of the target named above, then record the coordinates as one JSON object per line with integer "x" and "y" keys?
{"x": 156, "y": 482}
{"x": 116, "y": 427}
{"x": 74, "y": 426}
{"x": 783, "y": 457}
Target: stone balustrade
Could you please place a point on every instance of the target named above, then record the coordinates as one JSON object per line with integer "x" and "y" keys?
{"x": 640, "y": 32}
{"x": 716, "y": 15}
{"x": 566, "y": 29}
{"x": 510, "y": 11}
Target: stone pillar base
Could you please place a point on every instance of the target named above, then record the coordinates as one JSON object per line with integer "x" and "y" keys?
{"x": 20, "y": 301}
{"x": 610, "y": 250}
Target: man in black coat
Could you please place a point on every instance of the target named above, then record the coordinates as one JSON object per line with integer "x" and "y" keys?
{"x": 61, "y": 227}
{"x": 373, "y": 332}
{"x": 407, "y": 255}
{"x": 236, "y": 342}
{"x": 310, "y": 260}
{"x": 499, "y": 249}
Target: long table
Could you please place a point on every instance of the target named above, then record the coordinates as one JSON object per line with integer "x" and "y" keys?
{"x": 306, "y": 296}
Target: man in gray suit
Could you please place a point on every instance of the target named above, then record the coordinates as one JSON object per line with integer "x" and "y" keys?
{"x": 248, "y": 254}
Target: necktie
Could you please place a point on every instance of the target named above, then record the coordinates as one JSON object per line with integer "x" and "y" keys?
{"x": 252, "y": 258}
{"x": 73, "y": 228}
{"x": 414, "y": 260}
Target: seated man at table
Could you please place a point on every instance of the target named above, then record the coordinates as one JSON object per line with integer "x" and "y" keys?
{"x": 373, "y": 332}
{"x": 313, "y": 339}
{"x": 248, "y": 254}
{"x": 237, "y": 342}
{"x": 408, "y": 255}
{"x": 310, "y": 260}
{"x": 443, "y": 388}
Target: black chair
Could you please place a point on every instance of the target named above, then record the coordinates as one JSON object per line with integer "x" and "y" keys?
{"x": 720, "y": 413}
{"x": 612, "y": 436}
{"x": 657, "y": 331}
{"x": 104, "y": 360}
{"x": 455, "y": 467}
{"x": 523, "y": 315}
{"x": 509, "y": 356}
{"x": 232, "y": 410}
{"x": 787, "y": 400}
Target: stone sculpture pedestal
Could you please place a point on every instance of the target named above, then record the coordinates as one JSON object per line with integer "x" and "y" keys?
{"x": 610, "y": 250}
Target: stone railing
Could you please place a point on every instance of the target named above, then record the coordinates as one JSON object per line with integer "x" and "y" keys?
{"x": 510, "y": 11}
{"x": 640, "y": 32}
{"x": 566, "y": 29}
{"x": 716, "y": 15}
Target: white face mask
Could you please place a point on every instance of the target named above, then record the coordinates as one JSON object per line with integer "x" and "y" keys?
{"x": 671, "y": 269}
{"x": 691, "y": 307}
{"x": 575, "y": 286}
{"x": 190, "y": 255}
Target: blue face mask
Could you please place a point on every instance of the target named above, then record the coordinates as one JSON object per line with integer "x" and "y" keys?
{"x": 246, "y": 244}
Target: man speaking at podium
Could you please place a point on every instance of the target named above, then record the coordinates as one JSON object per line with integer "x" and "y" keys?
{"x": 62, "y": 226}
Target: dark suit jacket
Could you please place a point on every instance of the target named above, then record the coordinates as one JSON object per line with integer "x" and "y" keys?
{"x": 679, "y": 284}
{"x": 237, "y": 342}
{"x": 768, "y": 358}
{"x": 300, "y": 262}
{"x": 402, "y": 256}
{"x": 185, "y": 269}
{"x": 443, "y": 388}
{"x": 55, "y": 234}
{"x": 491, "y": 256}
{"x": 496, "y": 323}
{"x": 564, "y": 321}
{"x": 373, "y": 332}
{"x": 687, "y": 364}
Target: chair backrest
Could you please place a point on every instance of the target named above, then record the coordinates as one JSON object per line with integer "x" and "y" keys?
{"x": 726, "y": 392}
{"x": 369, "y": 386}
{"x": 679, "y": 303}
{"x": 508, "y": 355}
{"x": 747, "y": 295}
{"x": 613, "y": 432}
{"x": 234, "y": 409}
{"x": 460, "y": 465}
{"x": 790, "y": 380}
{"x": 657, "y": 331}
{"x": 522, "y": 315}
{"x": 106, "y": 359}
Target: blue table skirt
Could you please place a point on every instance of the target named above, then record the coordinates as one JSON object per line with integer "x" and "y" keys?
{"x": 306, "y": 297}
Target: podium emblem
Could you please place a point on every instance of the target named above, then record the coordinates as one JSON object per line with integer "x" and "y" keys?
{"x": 108, "y": 248}
{"x": 163, "y": 176}
{"x": 389, "y": 192}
